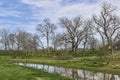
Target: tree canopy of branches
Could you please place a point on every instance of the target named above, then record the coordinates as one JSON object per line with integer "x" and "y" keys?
{"x": 89, "y": 35}
{"x": 107, "y": 24}
{"x": 74, "y": 29}
{"x": 46, "y": 29}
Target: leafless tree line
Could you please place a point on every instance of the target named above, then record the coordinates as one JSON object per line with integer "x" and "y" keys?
{"x": 101, "y": 30}
{"x": 18, "y": 41}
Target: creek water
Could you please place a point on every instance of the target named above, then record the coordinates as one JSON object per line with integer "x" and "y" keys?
{"x": 77, "y": 74}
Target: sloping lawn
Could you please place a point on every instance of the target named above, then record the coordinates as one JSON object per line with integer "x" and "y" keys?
{"x": 10, "y": 71}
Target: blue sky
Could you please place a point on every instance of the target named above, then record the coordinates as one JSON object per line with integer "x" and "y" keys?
{"x": 26, "y": 14}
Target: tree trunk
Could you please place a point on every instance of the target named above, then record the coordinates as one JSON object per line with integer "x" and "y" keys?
{"x": 111, "y": 50}
{"x": 84, "y": 46}
{"x": 48, "y": 44}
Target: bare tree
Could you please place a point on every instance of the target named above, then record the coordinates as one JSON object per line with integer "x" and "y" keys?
{"x": 40, "y": 41}
{"x": 22, "y": 40}
{"x": 37, "y": 42}
{"x": 88, "y": 32}
{"x": 75, "y": 31}
{"x": 90, "y": 41}
{"x": 4, "y": 38}
{"x": 19, "y": 37}
{"x": 61, "y": 41}
{"x": 107, "y": 24}
{"x": 46, "y": 29}
{"x": 27, "y": 42}
{"x": 11, "y": 38}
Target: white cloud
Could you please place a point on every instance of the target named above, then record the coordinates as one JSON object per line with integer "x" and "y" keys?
{"x": 54, "y": 9}
{"x": 15, "y": 25}
{"x": 30, "y": 27}
{"x": 42, "y": 3}
{"x": 2, "y": 27}
{"x": 9, "y": 12}
{"x": 83, "y": 9}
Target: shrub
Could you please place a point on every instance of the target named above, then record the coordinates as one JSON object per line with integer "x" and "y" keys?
{"x": 67, "y": 57}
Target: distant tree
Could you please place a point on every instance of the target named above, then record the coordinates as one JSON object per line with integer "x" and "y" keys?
{"x": 19, "y": 37}
{"x": 107, "y": 24}
{"x": 46, "y": 29}
{"x": 90, "y": 35}
{"x": 40, "y": 42}
{"x": 27, "y": 42}
{"x": 11, "y": 38}
{"x": 61, "y": 41}
{"x": 88, "y": 32}
{"x": 74, "y": 29}
{"x": 4, "y": 38}
{"x": 35, "y": 42}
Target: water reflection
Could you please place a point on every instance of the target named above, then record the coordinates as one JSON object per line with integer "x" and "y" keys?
{"x": 76, "y": 74}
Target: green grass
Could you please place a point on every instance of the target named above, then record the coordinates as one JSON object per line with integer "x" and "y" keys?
{"x": 10, "y": 71}
{"x": 88, "y": 63}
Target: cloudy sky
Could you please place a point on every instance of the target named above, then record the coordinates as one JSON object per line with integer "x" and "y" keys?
{"x": 26, "y": 14}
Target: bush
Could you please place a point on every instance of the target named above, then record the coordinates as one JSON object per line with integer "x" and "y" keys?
{"x": 102, "y": 52}
{"x": 67, "y": 57}
{"x": 81, "y": 53}
{"x": 97, "y": 64}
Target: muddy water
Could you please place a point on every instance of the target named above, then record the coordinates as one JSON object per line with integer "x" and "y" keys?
{"x": 77, "y": 74}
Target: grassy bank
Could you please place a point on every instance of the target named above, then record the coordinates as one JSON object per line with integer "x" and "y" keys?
{"x": 89, "y": 63}
{"x": 10, "y": 71}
